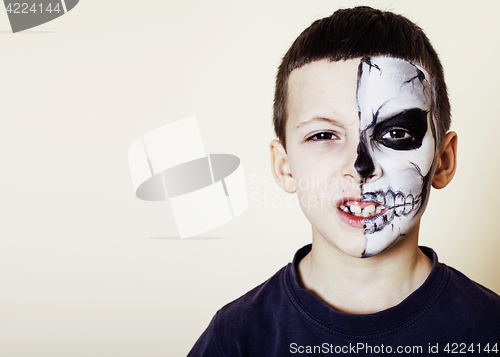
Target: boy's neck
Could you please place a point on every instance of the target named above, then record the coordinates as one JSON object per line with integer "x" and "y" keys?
{"x": 364, "y": 285}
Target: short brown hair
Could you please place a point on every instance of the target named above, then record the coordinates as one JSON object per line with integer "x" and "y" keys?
{"x": 355, "y": 33}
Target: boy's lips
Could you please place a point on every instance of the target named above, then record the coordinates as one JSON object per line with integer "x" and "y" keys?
{"x": 355, "y": 212}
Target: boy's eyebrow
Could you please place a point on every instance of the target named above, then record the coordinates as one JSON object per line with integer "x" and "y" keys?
{"x": 320, "y": 119}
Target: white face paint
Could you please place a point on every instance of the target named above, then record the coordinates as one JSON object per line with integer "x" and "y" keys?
{"x": 396, "y": 149}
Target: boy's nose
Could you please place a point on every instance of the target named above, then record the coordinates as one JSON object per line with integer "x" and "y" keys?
{"x": 364, "y": 162}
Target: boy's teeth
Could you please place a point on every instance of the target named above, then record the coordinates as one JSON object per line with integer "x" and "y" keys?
{"x": 369, "y": 209}
{"x": 362, "y": 212}
{"x": 356, "y": 209}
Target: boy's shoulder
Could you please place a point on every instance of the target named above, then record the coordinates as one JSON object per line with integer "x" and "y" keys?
{"x": 249, "y": 308}
{"x": 275, "y": 291}
{"x": 237, "y": 325}
{"x": 468, "y": 294}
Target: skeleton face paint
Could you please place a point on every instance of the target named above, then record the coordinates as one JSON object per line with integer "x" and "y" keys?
{"x": 396, "y": 149}
{"x": 360, "y": 150}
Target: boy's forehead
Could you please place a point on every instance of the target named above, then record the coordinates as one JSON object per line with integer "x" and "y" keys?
{"x": 387, "y": 86}
{"x": 322, "y": 89}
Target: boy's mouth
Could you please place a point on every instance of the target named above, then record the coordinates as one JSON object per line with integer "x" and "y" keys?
{"x": 355, "y": 212}
{"x": 364, "y": 209}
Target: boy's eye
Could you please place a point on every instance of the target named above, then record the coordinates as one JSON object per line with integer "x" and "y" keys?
{"x": 403, "y": 131}
{"x": 396, "y": 134}
{"x": 324, "y": 135}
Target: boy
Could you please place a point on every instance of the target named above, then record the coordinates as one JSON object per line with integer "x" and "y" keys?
{"x": 361, "y": 113}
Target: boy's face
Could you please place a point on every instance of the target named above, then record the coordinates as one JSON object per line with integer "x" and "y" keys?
{"x": 360, "y": 149}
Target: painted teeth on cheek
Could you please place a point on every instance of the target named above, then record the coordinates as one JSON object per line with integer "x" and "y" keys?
{"x": 381, "y": 198}
{"x": 389, "y": 199}
{"x": 389, "y": 205}
{"x": 409, "y": 204}
{"x": 399, "y": 202}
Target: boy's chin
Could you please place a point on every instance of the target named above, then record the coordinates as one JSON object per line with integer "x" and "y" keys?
{"x": 368, "y": 251}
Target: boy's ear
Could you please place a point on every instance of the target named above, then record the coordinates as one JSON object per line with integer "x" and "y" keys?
{"x": 280, "y": 167}
{"x": 446, "y": 161}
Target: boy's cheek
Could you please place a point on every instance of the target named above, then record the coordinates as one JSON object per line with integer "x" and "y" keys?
{"x": 400, "y": 162}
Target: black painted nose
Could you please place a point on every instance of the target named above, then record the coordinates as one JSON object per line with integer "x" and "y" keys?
{"x": 364, "y": 163}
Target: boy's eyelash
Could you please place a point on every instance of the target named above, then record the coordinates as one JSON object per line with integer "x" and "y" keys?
{"x": 332, "y": 135}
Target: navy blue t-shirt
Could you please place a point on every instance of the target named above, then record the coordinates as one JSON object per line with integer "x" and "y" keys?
{"x": 449, "y": 314}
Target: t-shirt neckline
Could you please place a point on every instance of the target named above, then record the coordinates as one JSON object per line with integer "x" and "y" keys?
{"x": 379, "y": 324}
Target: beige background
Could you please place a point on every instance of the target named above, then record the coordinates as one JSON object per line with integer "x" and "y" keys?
{"x": 86, "y": 269}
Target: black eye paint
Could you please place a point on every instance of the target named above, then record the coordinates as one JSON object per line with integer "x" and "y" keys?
{"x": 414, "y": 121}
